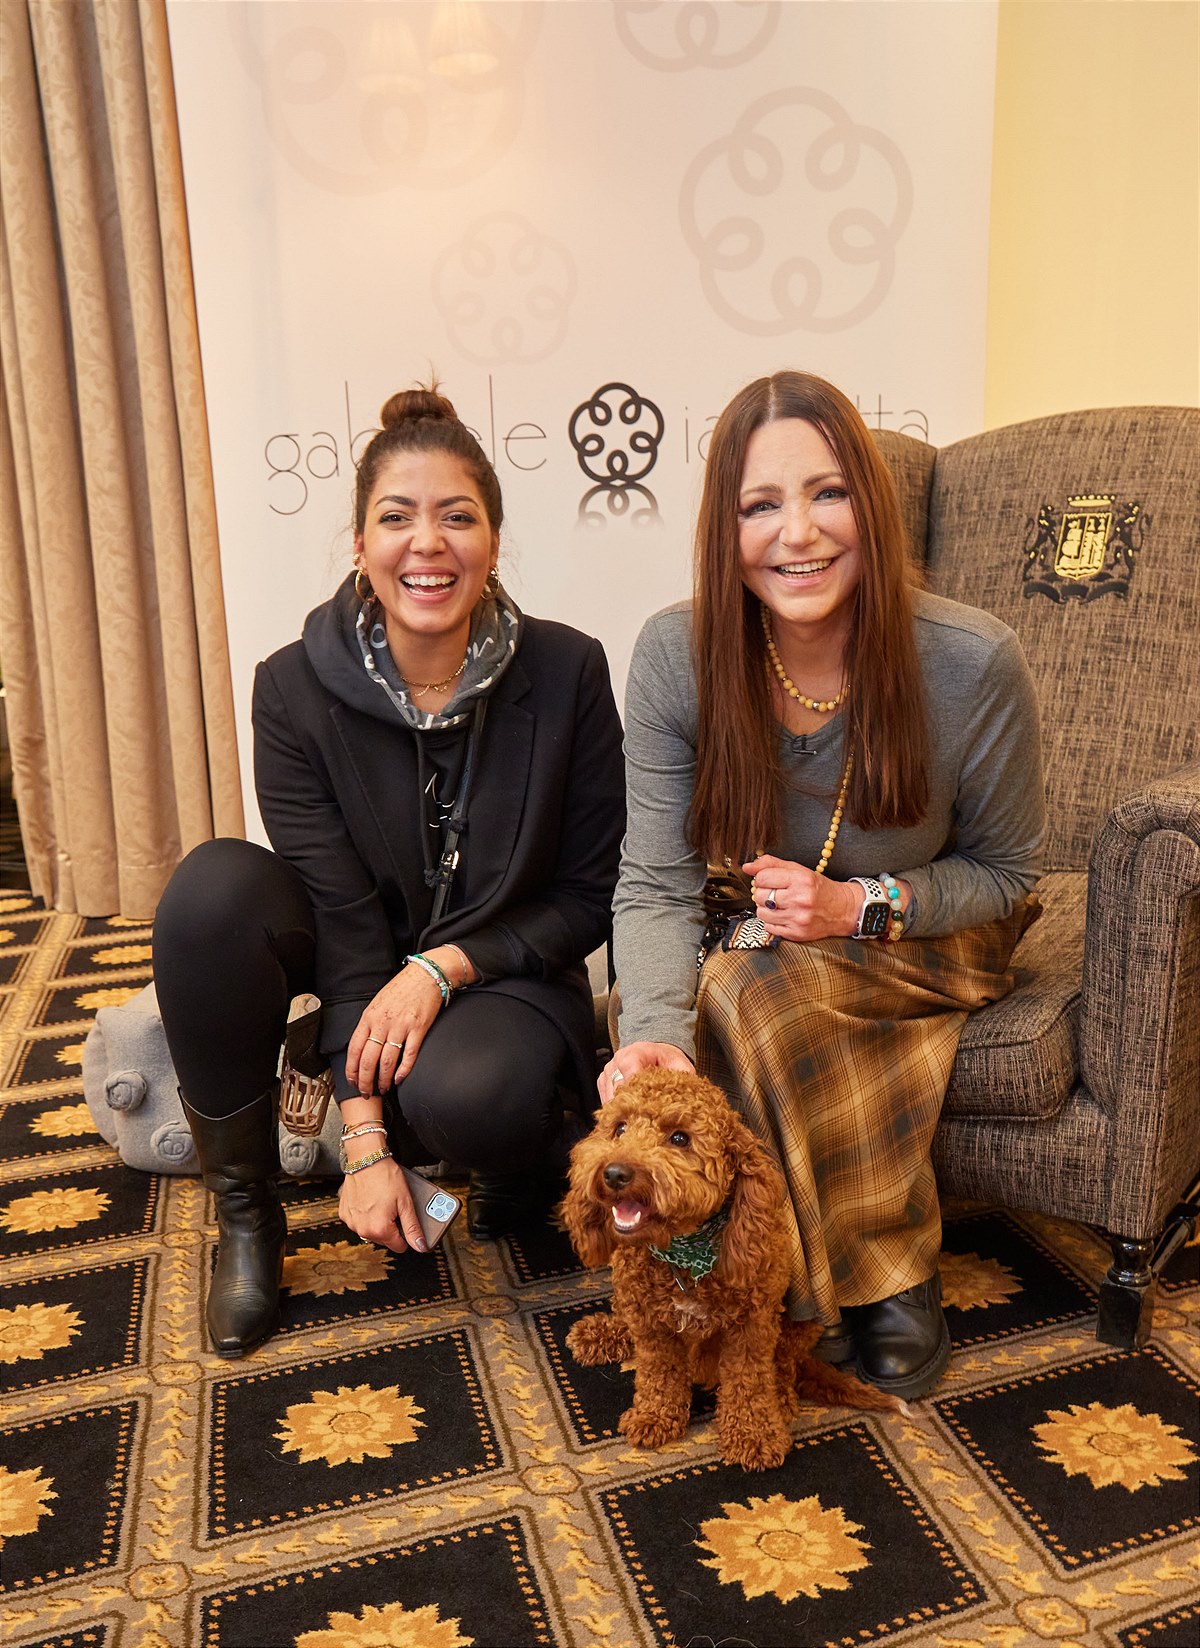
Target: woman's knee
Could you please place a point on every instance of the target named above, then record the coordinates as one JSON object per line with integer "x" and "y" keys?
{"x": 225, "y": 886}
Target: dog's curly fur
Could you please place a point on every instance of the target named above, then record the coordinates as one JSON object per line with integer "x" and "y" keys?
{"x": 667, "y": 1154}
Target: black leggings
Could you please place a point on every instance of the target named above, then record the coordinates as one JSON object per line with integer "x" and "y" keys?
{"x": 234, "y": 942}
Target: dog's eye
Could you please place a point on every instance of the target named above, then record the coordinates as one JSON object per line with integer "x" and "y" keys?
{"x": 618, "y": 1130}
{"x": 681, "y": 1138}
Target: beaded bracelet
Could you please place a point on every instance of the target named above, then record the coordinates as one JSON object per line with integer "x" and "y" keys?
{"x": 349, "y": 1167}
{"x": 362, "y": 1128}
{"x": 435, "y": 973}
{"x": 892, "y": 888}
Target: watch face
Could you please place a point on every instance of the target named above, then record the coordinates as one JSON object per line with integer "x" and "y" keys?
{"x": 875, "y": 920}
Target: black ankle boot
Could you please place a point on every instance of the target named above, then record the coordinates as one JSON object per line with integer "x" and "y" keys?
{"x": 500, "y": 1203}
{"x": 903, "y": 1343}
{"x": 239, "y": 1158}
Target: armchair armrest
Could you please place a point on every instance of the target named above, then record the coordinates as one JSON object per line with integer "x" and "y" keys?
{"x": 1139, "y": 1053}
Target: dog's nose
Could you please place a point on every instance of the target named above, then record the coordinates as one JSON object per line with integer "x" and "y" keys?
{"x": 617, "y": 1175}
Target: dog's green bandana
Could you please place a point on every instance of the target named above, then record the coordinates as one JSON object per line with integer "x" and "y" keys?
{"x": 697, "y": 1253}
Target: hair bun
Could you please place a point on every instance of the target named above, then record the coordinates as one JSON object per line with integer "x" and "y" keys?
{"x": 410, "y": 405}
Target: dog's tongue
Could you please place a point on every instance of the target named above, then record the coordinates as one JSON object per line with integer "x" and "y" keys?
{"x": 627, "y": 1215}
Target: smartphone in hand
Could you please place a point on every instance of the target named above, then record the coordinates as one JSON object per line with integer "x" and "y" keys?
{"x": 436, "y": 1208}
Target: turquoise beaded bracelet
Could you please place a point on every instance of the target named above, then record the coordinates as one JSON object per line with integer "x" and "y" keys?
{"x": 892, "y": 888}
{"x": 435, "y": 973}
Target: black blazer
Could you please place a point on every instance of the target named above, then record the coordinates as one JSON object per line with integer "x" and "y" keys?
{"x": 336, "y": 775}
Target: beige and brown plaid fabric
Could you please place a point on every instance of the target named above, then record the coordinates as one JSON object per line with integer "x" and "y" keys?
{"x": 838, "y": 1054}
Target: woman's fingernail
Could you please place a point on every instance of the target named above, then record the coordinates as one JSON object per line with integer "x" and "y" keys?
{"x": 419, "y": 1244}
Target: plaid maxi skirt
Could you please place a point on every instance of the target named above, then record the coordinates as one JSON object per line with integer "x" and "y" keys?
{"x": 838, "y": 1054}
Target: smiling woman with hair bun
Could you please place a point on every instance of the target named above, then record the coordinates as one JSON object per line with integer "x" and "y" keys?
{"x": 440, "y": 777}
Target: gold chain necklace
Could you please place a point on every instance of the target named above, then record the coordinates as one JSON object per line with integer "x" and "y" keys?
{"x": 418, "y": 689}
{"x": 821, "y": 705}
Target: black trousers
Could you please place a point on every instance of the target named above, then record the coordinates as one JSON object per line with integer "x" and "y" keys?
{"x": 234, "y": 942}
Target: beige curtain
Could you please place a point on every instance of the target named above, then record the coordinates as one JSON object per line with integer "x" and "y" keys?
{"x": 112, "y": 623}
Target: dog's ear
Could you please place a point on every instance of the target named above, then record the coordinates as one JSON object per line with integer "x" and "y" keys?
{"x": 758, "y": 1190}
{"x": 588, "y": 1225}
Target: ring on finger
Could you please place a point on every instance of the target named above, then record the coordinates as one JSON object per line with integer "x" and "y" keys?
{"x": 397, "y": 1044}
{"x": 377, "y": 1039}
{"x": 771, "y": 899}
{"x": 617, "y": 1076}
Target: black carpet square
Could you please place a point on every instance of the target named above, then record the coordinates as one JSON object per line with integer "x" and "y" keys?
{"x": 347, "y": 1430}
{"x": 11, "y": 963}
{"x": 79, "y": 1002}
{"x": 476, "y": 1585}
{"x": 48, "y": 1058}
{"x": 829, "y": 1548}
{"x": 997, "y": 1280}
{"x": 75, "y": 1208}
{"x": 330, "y": 1276}
{"x": 1174, "y": 1628}
{"x": 103, "y": 954}
{"x": 65, "y": 1493}
{"x": 1094, "y": 1456}
{"x": 39, "y": 1128}
{"x": 76, "y": 1323}
{"x": 541, "y": 1252}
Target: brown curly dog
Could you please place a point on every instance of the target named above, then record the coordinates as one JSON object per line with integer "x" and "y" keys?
{"x": 668, "y": 1159}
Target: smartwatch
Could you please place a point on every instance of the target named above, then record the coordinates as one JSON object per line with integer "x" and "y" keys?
{"x": 875, "y": 917}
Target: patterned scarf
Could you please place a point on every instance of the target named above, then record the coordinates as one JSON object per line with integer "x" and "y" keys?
{"x": 699, "y": 1252}
{"x": 495, "y": 636}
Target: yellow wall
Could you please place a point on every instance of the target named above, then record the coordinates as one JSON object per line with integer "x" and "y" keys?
{"x": 1094, "y": 262}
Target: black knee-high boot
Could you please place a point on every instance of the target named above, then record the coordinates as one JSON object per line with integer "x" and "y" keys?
{"x": 239, "y": 1158}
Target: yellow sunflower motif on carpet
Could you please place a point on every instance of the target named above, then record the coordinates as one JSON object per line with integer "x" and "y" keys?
{"x": 392, "y": 1626}
{"x": 59, "y": 1209}
{"x": 122, "y": 955}
{"x": 1114, "y": 1446}
{"x": 350, "y": 1424}
{"x": 6, "y": 935}
{"x": 112, "y": 995}
{"x": 27, "y": 1332}
{"x": 23, "y": 1496}
{"x": 68, "y": 1122}
{"x": 969, "y": 1282}
{"x": 72, "y": 1054}
{"x": 335, "y": 1267}
{"x": 784, "y": 1548}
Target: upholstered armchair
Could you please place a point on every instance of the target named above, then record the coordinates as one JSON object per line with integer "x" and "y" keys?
{"x": 1079, "y": 1094}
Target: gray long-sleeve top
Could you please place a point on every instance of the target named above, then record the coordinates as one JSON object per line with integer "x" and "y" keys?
{"x": 973, "y": 856}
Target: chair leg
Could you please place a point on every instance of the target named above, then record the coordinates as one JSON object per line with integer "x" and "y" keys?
{"x": 1127, "y": 1295}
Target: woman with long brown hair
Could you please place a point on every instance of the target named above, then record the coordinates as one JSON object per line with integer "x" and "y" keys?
{"x": 858, "y": 762}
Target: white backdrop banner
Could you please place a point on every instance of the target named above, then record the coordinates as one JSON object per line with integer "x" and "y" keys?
{"x": 595, "y": 221}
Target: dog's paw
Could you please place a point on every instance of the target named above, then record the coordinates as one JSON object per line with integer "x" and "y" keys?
{"x": 651, "y": 1430}
{"x": 599, "y": 1338}
{"x": 761, "y": 1451}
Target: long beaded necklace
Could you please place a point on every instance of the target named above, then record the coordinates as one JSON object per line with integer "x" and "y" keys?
{"x": 418, "y": 689}
{"x": 821, "y": 705}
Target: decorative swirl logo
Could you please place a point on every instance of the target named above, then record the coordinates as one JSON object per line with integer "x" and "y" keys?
{"x": 695, "y": 34}
{"x": 369, "y": 97}
{"x": 602, "y": 452}
{"x": 621, "y": 502}
{"x": 504, "y": 290}
{"x": 766, "y": 278}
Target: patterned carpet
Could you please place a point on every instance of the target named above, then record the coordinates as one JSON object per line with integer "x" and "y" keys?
{"x": 415, "y": 1461}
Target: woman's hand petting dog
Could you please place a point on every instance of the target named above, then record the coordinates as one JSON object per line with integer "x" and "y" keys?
{"x": 670, "y": 1167}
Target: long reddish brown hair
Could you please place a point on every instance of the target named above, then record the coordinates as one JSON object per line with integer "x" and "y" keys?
{"x": 737, "y": 804}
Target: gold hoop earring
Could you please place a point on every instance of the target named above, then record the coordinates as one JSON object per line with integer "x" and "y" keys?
{"x": 491, "y": 584}
{"x": 361, "y": 579}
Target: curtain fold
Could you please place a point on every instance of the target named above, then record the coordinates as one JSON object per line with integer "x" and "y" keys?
{"x": 112, "y": 626}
